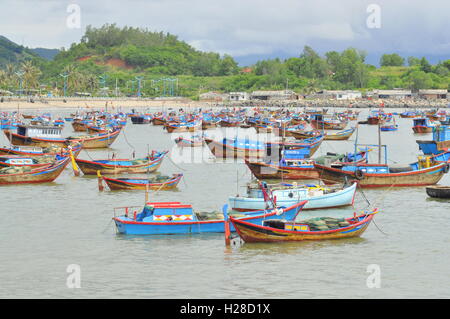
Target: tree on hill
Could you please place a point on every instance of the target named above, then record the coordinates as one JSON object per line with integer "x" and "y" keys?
{"x": 392, "y": 60}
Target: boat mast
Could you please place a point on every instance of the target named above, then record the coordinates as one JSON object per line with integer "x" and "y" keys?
{"x": 379, "y": 143}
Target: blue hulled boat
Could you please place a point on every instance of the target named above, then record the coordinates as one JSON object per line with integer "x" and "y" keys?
{"x": 166, "y": 218}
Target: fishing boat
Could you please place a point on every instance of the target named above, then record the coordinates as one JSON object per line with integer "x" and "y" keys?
{"x": 339, "y": 136}
{"x": 438, "y": 191}
{"x": 422, "y": 125}
{"x": 31, "y": 162}
{"x": 183, "y": 127}
{"x": 296, "y": 165}
{"x": 245, "y": 148}
{"x": 321, "y": 122}
{"x": 315, "y": 229}
{"x": 409, "y": 114}
{"x": 27, "y": 175}
{"x": 79, "y": 125}
{"x": 440, "y": 142}
{"x": 40, "y": 151}
{"x": 166, "y": 218}
{"x": 426, "y": 171}
{"x": 153, "y": 183}
{"x": 121, "y": 166}
{"x": 49, "y": 136}
{"x": 195, "y": 141}
{"x": 287, "y": 194}
{"x": 301, "y": 134}
{"x": 387, "y": 128}
{"x": 141, "y": 119}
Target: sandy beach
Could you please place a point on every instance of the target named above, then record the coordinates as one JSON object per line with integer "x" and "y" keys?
{"x": 112, "y": 103}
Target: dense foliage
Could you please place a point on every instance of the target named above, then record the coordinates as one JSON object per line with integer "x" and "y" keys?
{"x": 110, "y": 56}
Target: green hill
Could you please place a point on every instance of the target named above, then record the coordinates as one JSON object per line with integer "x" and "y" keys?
{"x": 47, "y": 54}
{"x": 13, "y": 53}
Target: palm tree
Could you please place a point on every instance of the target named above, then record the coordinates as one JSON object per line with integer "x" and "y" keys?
{"x": 74, "y": 79}
{"x": 31, "y": 74}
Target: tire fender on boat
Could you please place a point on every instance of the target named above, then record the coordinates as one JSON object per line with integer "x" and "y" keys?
{"x": 359, "y": 174}
{"x": 446, "y": 168}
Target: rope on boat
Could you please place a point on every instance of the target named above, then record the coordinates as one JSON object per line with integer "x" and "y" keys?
{"x": 107, "y": 226}
{"x": 175, "y": 164}
{"x": 126, "y": 140}
{"x": 373, "y": 220}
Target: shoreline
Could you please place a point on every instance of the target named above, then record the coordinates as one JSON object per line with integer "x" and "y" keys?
{"x": 112, "y": 103}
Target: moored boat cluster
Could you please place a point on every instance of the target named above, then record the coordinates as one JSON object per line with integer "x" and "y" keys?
{"x": 278, "y": 148}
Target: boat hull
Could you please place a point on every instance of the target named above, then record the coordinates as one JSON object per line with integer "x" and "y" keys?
{"x": 254, "y": 233}
{"x": 438, "y": 191}
{"x": 271, "y": 171}
{"x": 128, "y": 184}
{"x": 422, "y": 177}
{"x": 129, "y": 226}
{"x": 41, "y": 175}
{"x": 340, "y": 198}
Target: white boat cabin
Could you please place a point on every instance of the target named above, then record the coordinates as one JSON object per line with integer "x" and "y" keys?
{"x": 39, "y": 131}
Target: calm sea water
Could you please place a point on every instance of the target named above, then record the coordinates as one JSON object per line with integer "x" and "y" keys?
{"x": 45, "y": 228}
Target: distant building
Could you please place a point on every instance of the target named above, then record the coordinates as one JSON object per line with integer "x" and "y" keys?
{"x": 213, "y": 97}
{"x": 5, "y": 92}
{"x": 274, "y": 95}
{"x": 433, "y": 94}
{"x": 338, "y": 95}
{"x": 238, "y": 96}
{"x": 392, "y": 94}
{"x": 83, "y": 94}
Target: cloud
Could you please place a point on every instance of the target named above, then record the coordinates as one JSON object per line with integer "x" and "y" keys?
{"x": 244, "y": 27}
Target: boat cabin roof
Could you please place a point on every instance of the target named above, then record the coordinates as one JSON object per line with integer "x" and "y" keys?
{"x": 39, "y": 130}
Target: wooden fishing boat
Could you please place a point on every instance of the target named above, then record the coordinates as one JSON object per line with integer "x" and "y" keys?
{"x": 318, "y": 197}
{"x": 298, "y": 168}
{"x": 387, "y": 128}
{"x": 195, "y": 141}
{"x": 319, "y": 122}
{"x": 382, "y": 175}
{"x": 121, "y": 166}
{"x": 422, "y": 125}
{"x": 101, "y": 140}
{"x": 182, "y": 127}
{"x": 440, "y": 142}
{"x": 375, "y": 120}
{"x": 167, "y": 218}
{"x": 409, "y": 115}
{"x": 91, "y": 129}
{"x": 231, "y": 122}
{"x": 31, "y": 162}
{"x": 243, "y": 148}
{"x": 79, "y": 125}
{"x": 235, "y": 148}
{"x": 27, "y": 116}
{"x": 141, "y": 119}
{"x": 280, "y": 231}
{"x": 301, "y": 135}
{"x": 208, "y": 124}
{"x": 39, "y": 151}
{"x": 339, "y": 136}
{"x": 34, "y": 176}
{"x": 159, "y": 121}
{"x": 155, "y": 183}
{"x": 438, "y": 191}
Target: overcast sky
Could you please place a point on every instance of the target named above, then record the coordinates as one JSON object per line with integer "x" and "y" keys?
{"x": 246, "y": 29}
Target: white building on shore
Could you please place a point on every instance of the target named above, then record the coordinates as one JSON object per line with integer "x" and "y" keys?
{"x": 238, "y": 96}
